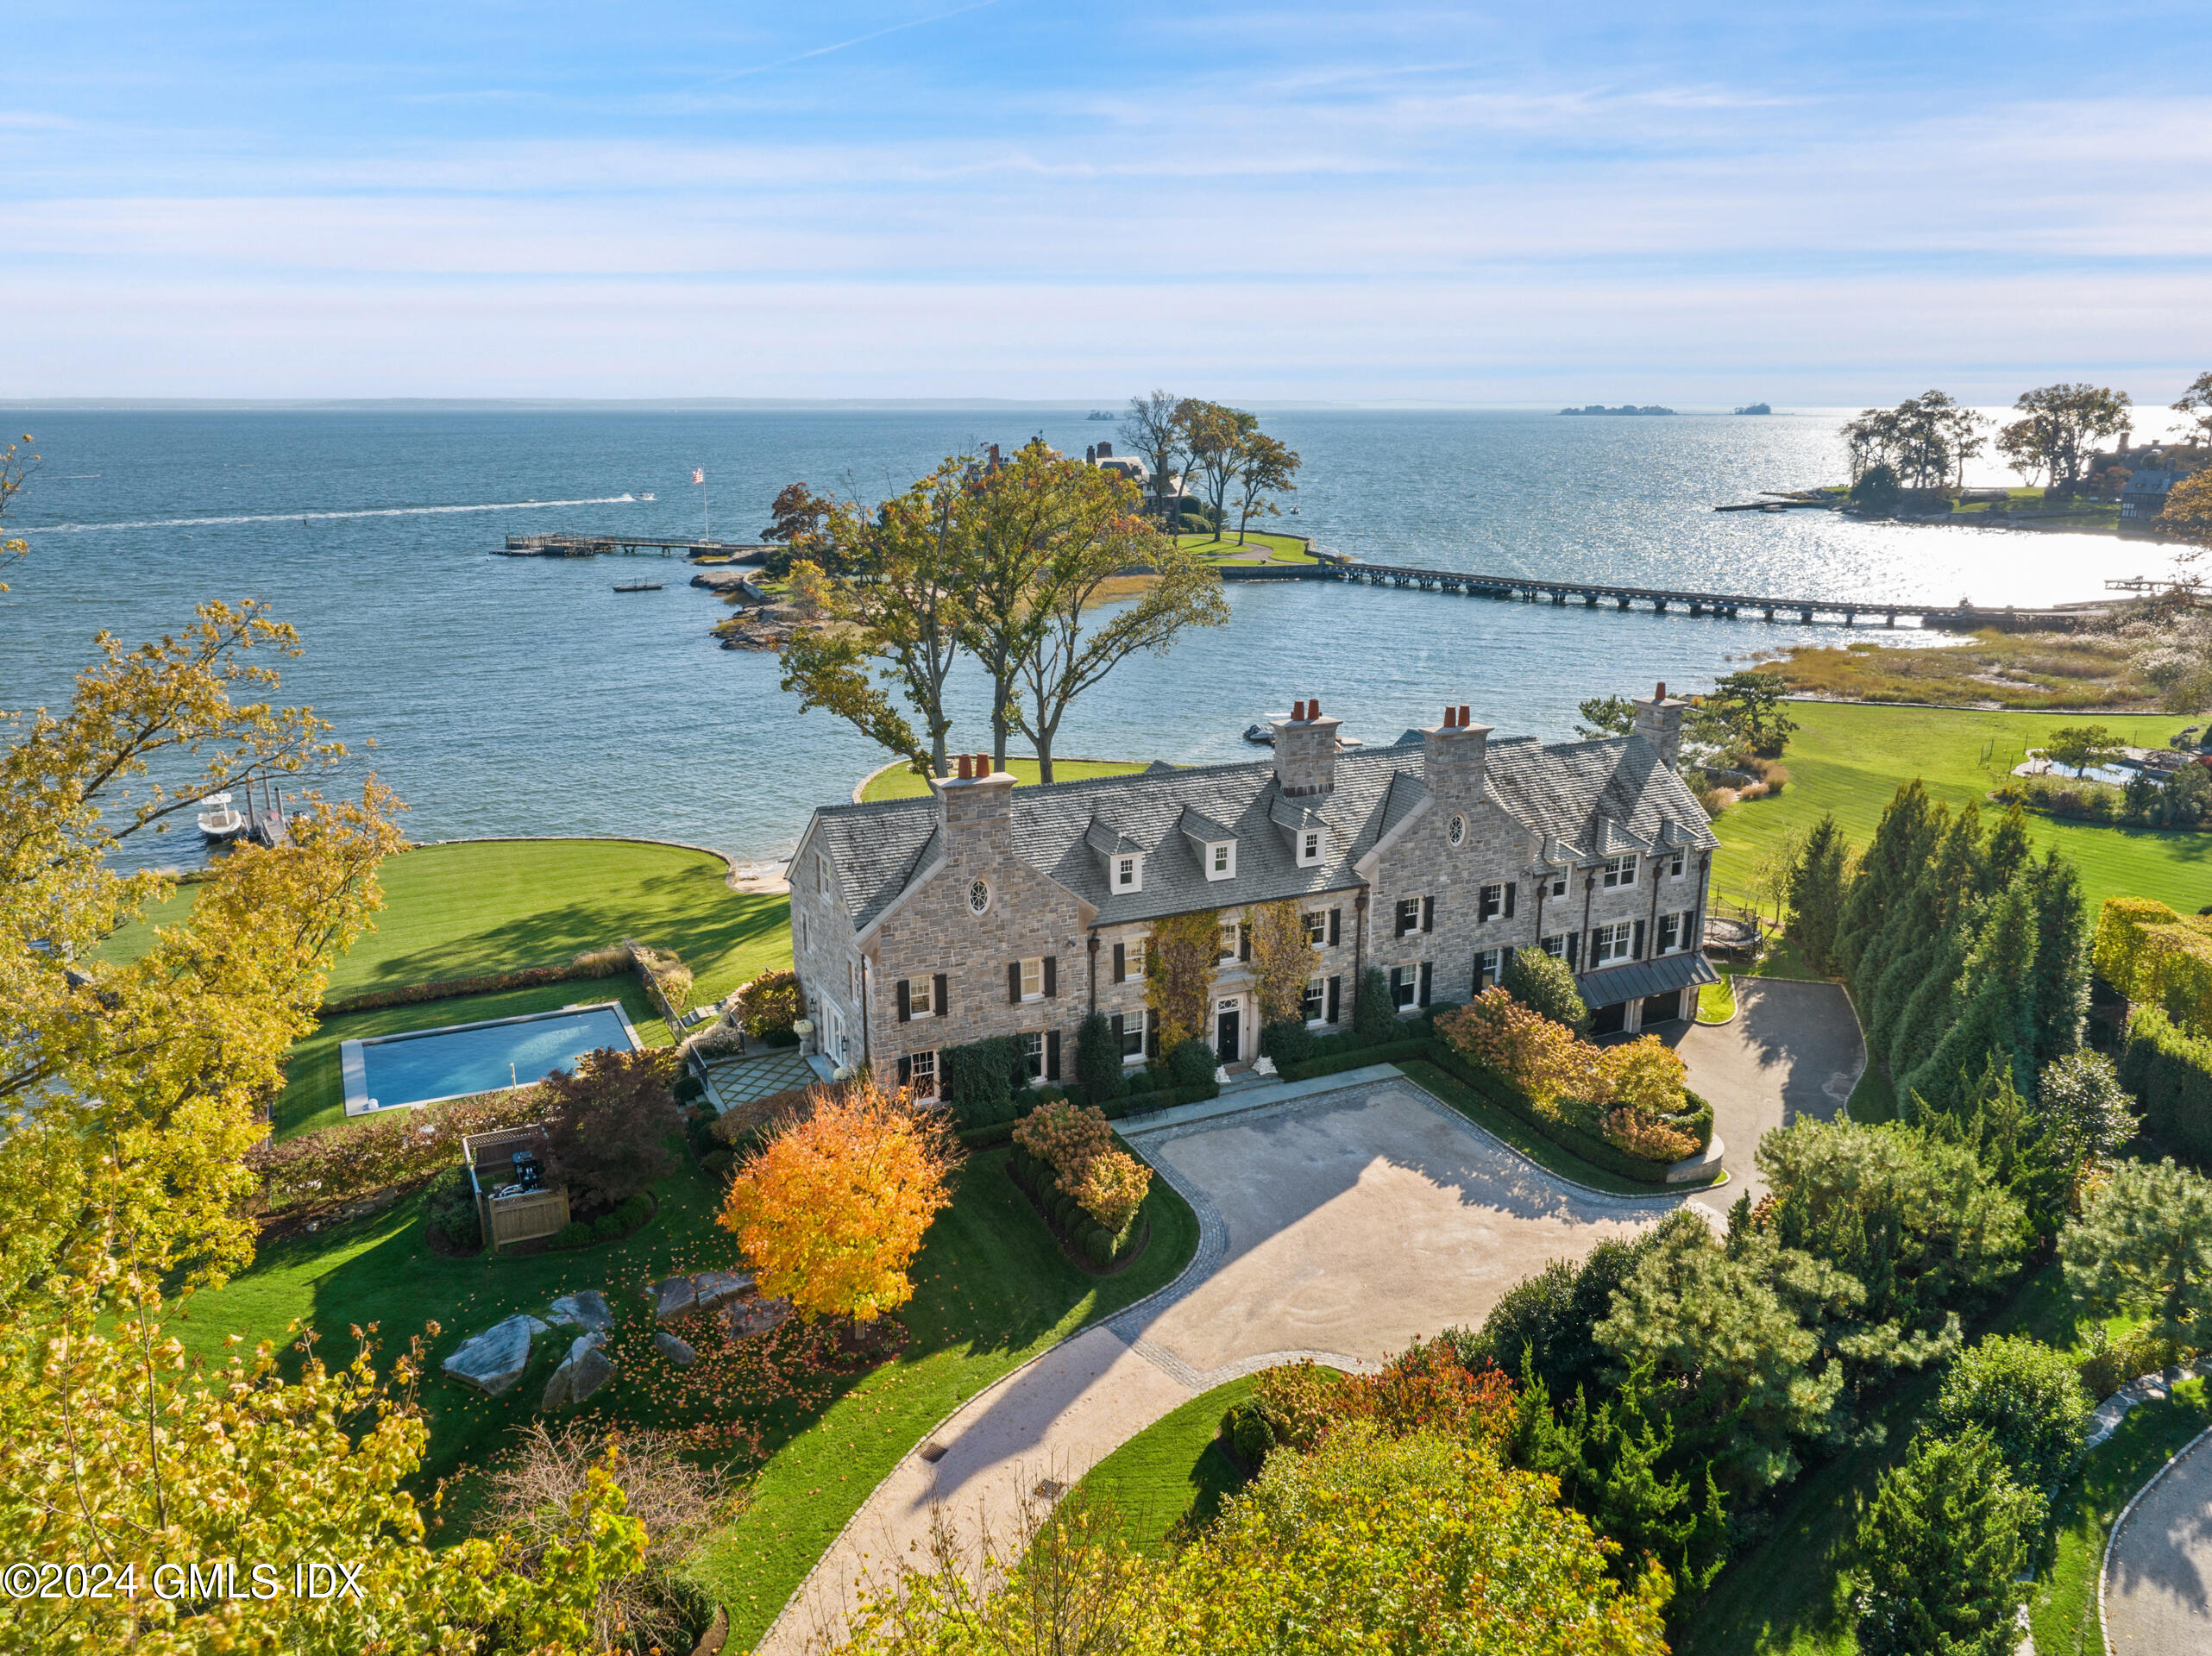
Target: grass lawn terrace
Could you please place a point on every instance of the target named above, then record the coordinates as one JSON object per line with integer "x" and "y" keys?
{"x": 897, "y": 782}
{"x": 1176, "y": 1468}
{"x": 1849, "y": 759}
{"x": 1257, "y": 548}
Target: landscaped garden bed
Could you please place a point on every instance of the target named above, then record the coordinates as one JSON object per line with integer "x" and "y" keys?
{"x": 1084, "y": 1183}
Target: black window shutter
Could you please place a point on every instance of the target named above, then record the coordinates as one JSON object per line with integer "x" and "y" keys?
{"x": 1505, "y": 962}
{"x": 906, "y": 1008}
{"x": 1511, "y": 886}
{"x": 1014, "y": 983}
{"x": 1635, "y": 947}
{"x": 1051, "y": 976}
{"x": 1335, "y": 985}
{"x": 1120, "y": 962}
{"x": 1152, "y": 1039}
{"x": 1425, "y": 969}
{"x": 1244, "y": 942}
{"x": 1428, "y": 913}
{"x": 906, "y": 1071}
{"x": 1398, "y": 920}
{"x": 1573, "y": 942}
{"x": 1117, "y": 1020}
{"x": 1336, "y": 917}
{"x": 937, "y": 1005}
{"x": 1051, "y": 1055}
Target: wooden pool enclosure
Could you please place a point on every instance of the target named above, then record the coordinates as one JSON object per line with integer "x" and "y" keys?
{"x": 510, "y": 1207}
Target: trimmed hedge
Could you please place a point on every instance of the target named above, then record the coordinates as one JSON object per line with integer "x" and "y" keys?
{"x": 1065, "y": 1216}
{"x": 530, "y": 978}
{"x": 2170, "y": 1071}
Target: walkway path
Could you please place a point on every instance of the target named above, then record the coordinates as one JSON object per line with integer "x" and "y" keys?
{"x": 1793, "y": 1050}
{"x": 2157, "y": 1571}
{"x": 1337, "y": 1227}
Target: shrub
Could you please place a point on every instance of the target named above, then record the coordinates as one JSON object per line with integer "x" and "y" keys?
{"x": 575, "y": 1234}
{"x": 2026, "y": 1396}
{"x": 772, "y": 1003}
{"x": 1098, "y": 1059}
{"x": 980, "y": 1078}
{"x": 1540, "y": 1057}
{"x": 689, "y": 1090}
{"x": 2170, "y": 1071}
{"x": 719, "y": 1162}
{"x": 2107, "y": 1365}
{"x": 1374, "y": 1016}
{"x": 1090, "y": 1171}
{"x": 1286, "y": 1041}
{"x": 1940, "y": 1549}
{"x": 1099, "y": 1244}
{"x": 1191, "y": 1063}
{"x": 1644, "y": 1074}
{"x": 1546, "y": 986}
{"x": 1112, "y": 1188}
{"x": 1251, "y": 1433}
{"x": 338, "y": 1163}
{"x": 605, "y": 1122}
{"x": 450, "y": 1209}
{"x": 1641, "y": 1135}
{"x": 607, "y": 1228}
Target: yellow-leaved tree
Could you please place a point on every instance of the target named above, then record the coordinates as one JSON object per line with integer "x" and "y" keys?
{"x": 831, "y": 1210}
{"x": 132, "y": 1079}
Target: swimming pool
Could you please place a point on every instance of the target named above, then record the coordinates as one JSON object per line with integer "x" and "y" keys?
{"x": 423, "y": 1066}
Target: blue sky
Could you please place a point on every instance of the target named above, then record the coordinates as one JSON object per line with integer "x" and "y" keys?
{"x": 1500, "y": 204}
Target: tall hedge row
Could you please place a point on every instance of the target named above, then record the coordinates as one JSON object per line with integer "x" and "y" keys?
{"x": 2170, "y": 1070}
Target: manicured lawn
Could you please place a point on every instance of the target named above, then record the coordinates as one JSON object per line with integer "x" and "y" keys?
{"x": 1176, "y": 1468}
{"x": 472, "y": 909}
{"x": 1873, "y": 1100}
{"x": 1717, "y": 1001}
{"x": 314, "y": 1092}
{"x": 901, "y": 783}
{"x": 2063, "y": 1611}
{"x": 1257, "y": 548}
{"x": 991, "y": 1289}
{"x": 1787, "y": 1594}
{"x": 1850, "y": 760}
{"x": 1531, "y": 1143}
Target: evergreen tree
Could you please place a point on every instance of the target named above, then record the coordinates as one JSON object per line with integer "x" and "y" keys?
{"x": 1917, "y": 941}
{"x": 1901, "y": 844}
{"x": 1934, "y": 1004}
{"x": 1816, "y": 894}
{"x": 2061, "y": 997}
{"x": 1939, "y": 1549}
{"x": 2008, "y": 851}
{"x": 2144, "y": 1244}
{"x": 1997, "y": 1011}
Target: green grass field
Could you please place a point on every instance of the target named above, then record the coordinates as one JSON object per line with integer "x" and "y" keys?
{"x": 901, "y": 783}
{"x": 1850, "y": 760}
{"x": 1174, "y": 1468}
{"x": 1257, "y": 548}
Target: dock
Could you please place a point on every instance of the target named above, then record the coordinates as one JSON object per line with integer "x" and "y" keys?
{"x": 1531, "y": 589}
{"x": 593, "y": 546}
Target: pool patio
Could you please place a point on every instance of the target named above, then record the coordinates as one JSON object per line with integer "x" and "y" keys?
{"x": 739, "y": 1078}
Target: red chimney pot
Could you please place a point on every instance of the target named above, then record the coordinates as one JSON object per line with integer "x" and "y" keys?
{"x": 1464, "y": 720}
{"x": 1451, "y": 716}
{"x": 1297, "y": 712}
{"x": 1662, "y": 696}
{"x": 963, "y": 766}
{"x": 1313, "y": 706}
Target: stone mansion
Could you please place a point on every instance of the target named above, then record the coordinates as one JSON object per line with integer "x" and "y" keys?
{"x": 922, "y": 924}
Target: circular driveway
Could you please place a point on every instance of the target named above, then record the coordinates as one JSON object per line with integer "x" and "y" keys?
{"x": 1337, "y": 1226}
{"x": 1793, "y": 1050}
{"x": 2158, "y": 1572}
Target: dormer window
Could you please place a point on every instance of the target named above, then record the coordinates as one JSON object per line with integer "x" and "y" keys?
{"x": 1221, "y": 860}
{"x": 1129, "y": 873}
{"x": 1310, "y": 846}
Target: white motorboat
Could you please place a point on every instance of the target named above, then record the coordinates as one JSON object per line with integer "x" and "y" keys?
{"x": 219, "y": 819}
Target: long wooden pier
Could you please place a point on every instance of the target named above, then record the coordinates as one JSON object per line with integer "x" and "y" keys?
{"x": 591, "y": 546}
{"x": 1730, "y": 606}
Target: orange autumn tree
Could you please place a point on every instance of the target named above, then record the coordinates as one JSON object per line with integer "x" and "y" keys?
{"x": 830, "y": 1211}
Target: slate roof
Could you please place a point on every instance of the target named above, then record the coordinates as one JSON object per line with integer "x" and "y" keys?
{"x": 1584, "y": 800}
{"x": 1610, "y": 985}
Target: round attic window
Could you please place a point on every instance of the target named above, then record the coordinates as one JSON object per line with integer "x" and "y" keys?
{"x": 978, "y": 896}
{"x": 1456, "y": 829}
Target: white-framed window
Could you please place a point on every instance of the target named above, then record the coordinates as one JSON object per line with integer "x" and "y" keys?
{"x": 1455, "y": 829}
{"x": 1033, "y": 979}
{"x": 1221, "y": 860}
{"x": 1555, "y": 945}
{"x": 1404, "y": 985}
{"x": 1490, "y": 966}
{"x": 1132, "y": 957}
{"x": 1495, "y": 901}
{"x": 1559, "y": 885}
{"x": 1133, "y": 1036}
{"x": 921, "y": 1073}
{"x": 1033, "y": 1052}
{"x": 1309, "y": 845}
{"x": 821, "y": 874}
{"x": 978, "y": 896}
{"x": 1317, "y": 927}
{"x": 1232, "y": 941}
{"x": 1315, "y": 1002}
{"x": 1675, "y": 866}
{"x": 837, "y": 1035}
{"x": 920, "y": 991}
{"x": 1126, "y": 874}
{"x": 1619, "y": 871}
{"x": 1409, "y": 915}
{"x": 1670, "y": 932}
{"x": 1610, "y": 942}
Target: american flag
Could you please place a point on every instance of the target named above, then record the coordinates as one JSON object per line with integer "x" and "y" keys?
{"x": 697, "y": 474}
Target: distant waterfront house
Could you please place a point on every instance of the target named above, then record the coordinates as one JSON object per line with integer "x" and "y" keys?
{"x": 919, "y": 924}
{"x": 2144, "y": 494}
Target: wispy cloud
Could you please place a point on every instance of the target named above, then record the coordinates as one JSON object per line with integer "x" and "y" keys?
{"x": 839, "y": 46}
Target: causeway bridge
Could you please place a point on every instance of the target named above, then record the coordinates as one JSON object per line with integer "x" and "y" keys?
{"x": 591, "y": 546}
{"x": 1531, "y": 589}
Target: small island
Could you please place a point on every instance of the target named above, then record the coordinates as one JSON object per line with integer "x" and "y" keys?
{"x": 1625, "y": 408}
{"x": 1755, "y": 408}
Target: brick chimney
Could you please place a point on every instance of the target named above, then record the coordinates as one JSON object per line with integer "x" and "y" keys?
{"x": 975, "y": 809}
{"x": 1453, "y": 756}
{"x": 1659, "y": 721}
{"x": 1306, "y": 752}
{"x": 1105, "y": 451}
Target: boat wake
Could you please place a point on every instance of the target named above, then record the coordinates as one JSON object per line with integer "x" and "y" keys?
{"x": 318, "y": 517}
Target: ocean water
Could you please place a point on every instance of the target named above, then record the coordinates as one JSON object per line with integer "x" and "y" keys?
{"x": 519, "y": 696}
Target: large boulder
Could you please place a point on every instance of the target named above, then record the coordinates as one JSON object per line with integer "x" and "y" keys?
{"x": 713, "y": 1287}
{"x": 494, "y": 1360}
{"x": 583, "y": 1371}
{"x": 749, "y": 1317}
{"x": 677, "y": 1351}
{"x": 672, "y": 1296}
{"x": 588, "y": 1311}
